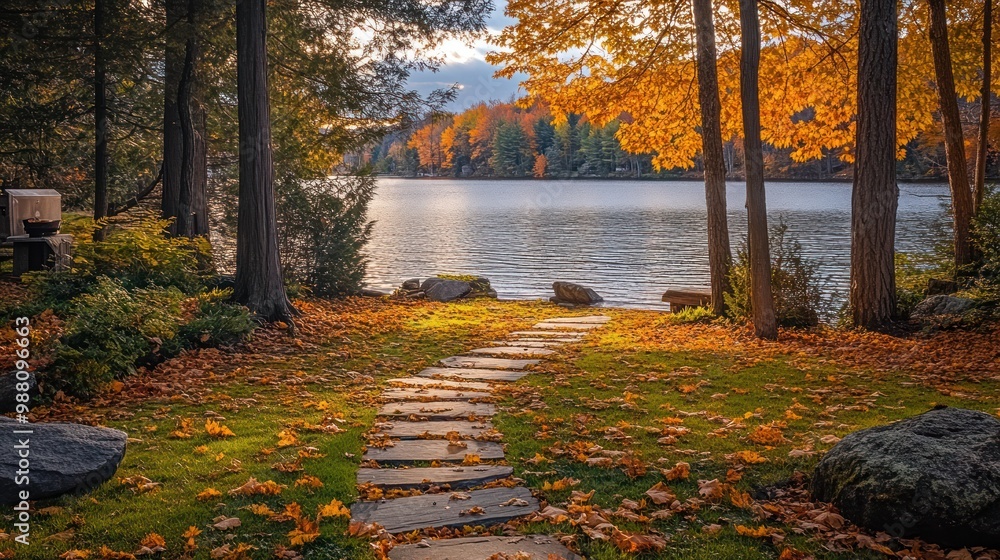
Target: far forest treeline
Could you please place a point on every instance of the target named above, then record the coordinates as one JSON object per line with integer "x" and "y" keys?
{"x": 504, "y": 140}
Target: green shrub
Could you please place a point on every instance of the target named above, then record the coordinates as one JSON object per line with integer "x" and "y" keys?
{"x": 986, "y": 235}
{"x": 794, "y": 283}
{"x": 110, "y": 331}
{"x": 140, "y": 254}
{"x": 692, "y": 315}
{"x": 323, "y": 226}
{"x": 217, "y": 322}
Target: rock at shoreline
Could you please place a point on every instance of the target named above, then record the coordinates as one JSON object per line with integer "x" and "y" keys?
{"x": 942, "y": 305}
{"x": 411, "y": 284}
{"x": 568, "y": 292}
{"x": 935, "y": 476}
{"x": 63, "y": 458}
{"x": 440, "y": 289}
{"x": 8, "y": 390}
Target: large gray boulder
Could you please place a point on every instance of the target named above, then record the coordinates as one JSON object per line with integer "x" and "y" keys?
{"x": 441, "y": 289}
{"x": 8, "y": 390}
{"x": 568, "y": 292}
{"x": 942, "y": 305}
{"x": 934, "y": 476}
{"x": 61, "y": 458}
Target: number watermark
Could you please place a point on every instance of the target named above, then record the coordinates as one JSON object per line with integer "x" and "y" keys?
{"x": 22, "y": 432}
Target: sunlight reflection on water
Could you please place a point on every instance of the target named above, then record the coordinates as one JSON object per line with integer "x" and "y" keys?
{"x": 628, "y": 240}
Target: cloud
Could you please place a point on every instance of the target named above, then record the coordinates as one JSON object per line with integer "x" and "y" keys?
{"x": 466, "y": 66}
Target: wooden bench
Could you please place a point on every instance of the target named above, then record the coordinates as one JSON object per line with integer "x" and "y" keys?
{"x": 687, "y": 297}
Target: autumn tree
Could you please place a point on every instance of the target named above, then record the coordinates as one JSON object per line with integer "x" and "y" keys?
{"x": 719, "y": 251}
{"x": 982, "y": 146}
{"x": 875, "y": 194}
{"x": 765, "y": 322}
{"x": 954, "y": 143}
{"x": 427, "y": 141}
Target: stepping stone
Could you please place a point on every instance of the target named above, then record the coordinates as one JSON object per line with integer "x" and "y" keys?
{"x": 423, "y": 477}
{"x": 415, "y": 430}
{"x": 589, "y": 319}
{"x": 403, "y": 515}
{"x": 513, "y": 351}
{"x": 553, "y": 340}
{"x": 569, "y": 326}
{"x": 485, "y": 362}
{"x": 473, "y": 373}
{"x": 424, "y": 394}
{"x": 414, "y": 450}
{"x": 565, "y": 334}
{"x": 524, "y": 343}
{"x": 443, "y": 383}
{"x": 438, "y": 410}
{"x": 529, "y": 547}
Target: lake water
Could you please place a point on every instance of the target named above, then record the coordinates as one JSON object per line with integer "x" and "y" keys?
{"x": 629, "y": 240}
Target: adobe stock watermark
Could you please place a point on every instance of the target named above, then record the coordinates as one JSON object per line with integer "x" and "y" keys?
{"x": 21, "y": 432}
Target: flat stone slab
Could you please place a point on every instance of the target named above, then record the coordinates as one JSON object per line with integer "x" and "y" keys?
{"x": 588, "y": 319}
{"x": 513, "y": 351}
{"x": 443, "y": 383}
{"x": 566, "y": 334}
{"x": 474, "y": 373}
{"x": 527, "y": 547}
{"x": 547, "y": 340}
{"x": 414, "y": 450}
{"x": 403, "y": 515}
{"x": 423, "y": 477}
{"x": 437, "y": 410}
{"x": 527, "y": 343}
{"x": 486, "y": 362}
{"x": 567, "y": 326}
{"x": 425, "y": 393}
{"x": 420, "y": 430}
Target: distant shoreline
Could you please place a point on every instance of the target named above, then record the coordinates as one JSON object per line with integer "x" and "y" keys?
{"x": 943, "y": 180}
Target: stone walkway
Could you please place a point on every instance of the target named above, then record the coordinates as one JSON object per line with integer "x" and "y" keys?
{"x": 439, "y": 418}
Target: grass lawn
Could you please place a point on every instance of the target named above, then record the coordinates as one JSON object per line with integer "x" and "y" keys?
{"x": 630, "y": 385}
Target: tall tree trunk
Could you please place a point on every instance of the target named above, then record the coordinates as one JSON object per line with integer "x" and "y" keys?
{"x": 765, "y": 323}
{"x": 172, "y": 135}
{"x": 100, "y": 120}
{"x": 875, "y": 194}
{"x": 954, "y": 144}
{"x": 719, "y": 252}
{"x": 982, "y": 149}
{"x": 184, "y": 225}
{"x": 259, "y": 283}
{"x": 185, "y": 162}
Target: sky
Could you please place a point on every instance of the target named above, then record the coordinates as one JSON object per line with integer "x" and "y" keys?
{"x": 466, "y": 65}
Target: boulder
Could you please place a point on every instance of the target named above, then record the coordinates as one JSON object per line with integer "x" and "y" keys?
{"x": 568, "y": 292}
{"x": 446, "y": 290}
{"x": 411, "y": 284}
{"x": 8, "y": 390}
{"x": 62, "y": 458}
{"x": 934, "y": 476}
{"x": 937, "y": 286}
{"x": 942, "y": 305}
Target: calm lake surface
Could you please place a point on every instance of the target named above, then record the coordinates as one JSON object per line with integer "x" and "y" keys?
{"x": 629, "y": 240}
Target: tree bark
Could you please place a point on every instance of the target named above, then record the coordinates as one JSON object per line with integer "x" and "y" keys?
{"x": 719, "y": 252}
{"x": 875, "y": 194}
{"x": 172, "y": 135}
{"x": 100, "y": 120}
{"x": 954, "y": 144}
{"x": 186, "y": 175}
{"x": 982, "y": 149}
{"x": 761, "y": 299}
{"x": 259, "y": 281}
{"x": 184, "y": 224}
